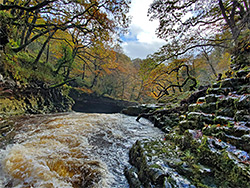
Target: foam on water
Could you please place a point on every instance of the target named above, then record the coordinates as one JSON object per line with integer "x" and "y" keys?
{"x": 72, "y": 150}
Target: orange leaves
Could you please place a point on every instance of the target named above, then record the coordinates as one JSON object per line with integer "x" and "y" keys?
{"x": 86, "y": 90}
{"x": 218, "y": 125}
{"x": 199, "y": 102}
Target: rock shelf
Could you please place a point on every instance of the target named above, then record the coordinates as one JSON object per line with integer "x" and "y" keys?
{"x": 206, "y": 146}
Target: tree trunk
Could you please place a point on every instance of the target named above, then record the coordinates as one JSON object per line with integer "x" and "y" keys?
{"x": 18, "y": 49}
{"x": 83, "y": 70}
{"x": 31, "y": 27}
{"x": 43, "y": 47}
{"x": 178, "y": 82}
{"x": 230, "y": 19}
{"x": 209, "y": 62}
{"x": 47, "y": 54}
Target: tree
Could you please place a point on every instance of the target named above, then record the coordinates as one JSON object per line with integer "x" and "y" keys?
{"x": 90, "y": 19}
{"x": 158, "y": 80}
{"x": 191, "y": 24}
{"x": 25, "y": 6}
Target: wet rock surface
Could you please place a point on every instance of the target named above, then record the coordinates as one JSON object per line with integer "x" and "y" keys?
{"x": 33, "y": 98}
{"x": 7, "y": 131}
{"x": 205, "y": 146}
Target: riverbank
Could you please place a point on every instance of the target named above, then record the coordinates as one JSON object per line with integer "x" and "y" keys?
{"x": 18, "y": 101}
{"x": 39, "y": 98}
{"x": 31, "y": 98}
{"x": 206, "y": 143}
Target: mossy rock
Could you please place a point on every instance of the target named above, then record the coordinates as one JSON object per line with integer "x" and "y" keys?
{"x": 222, "y": 120}
{"x": 201, "y": 100}
{"x": 135, "y": 110}
{"x": 131, "y": 174}
{"x": 209, "y": 108}
{"x": 245, "y": 89}
{"x": 242, "y": 115}
{"x": 211, "y": 98}
{"x": 194, "y": 107}
{"x": 243, "y": 102}
{"x": 242, "y": 73}
{"x": 200, "y": 118}
{"x": 219, "y": 91}
{"x": 216, "y": 84}
{"x": 187, "y": 124}
{"x": 231, "y": 83}
{"x": 226, "y": 102}
{"x": 7, "y": 131}
{"x": 229, "y": 112}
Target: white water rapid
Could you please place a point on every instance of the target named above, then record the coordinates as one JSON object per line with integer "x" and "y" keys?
{"x": 71, "y": 150}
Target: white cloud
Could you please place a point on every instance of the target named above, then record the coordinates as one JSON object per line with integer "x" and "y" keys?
{"x": 142, "y": 40}
{"x": 135, "y": 49}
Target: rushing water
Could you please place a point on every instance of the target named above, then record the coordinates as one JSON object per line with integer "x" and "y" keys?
{"x": 72, "y": 150}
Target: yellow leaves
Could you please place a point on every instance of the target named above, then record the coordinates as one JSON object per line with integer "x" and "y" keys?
{"x": 85, "y": 90}
{"x": 224, "y": 62}
{"x": 58, "y": 55}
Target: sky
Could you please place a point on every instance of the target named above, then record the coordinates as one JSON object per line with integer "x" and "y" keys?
{"x": 141, "y": 39}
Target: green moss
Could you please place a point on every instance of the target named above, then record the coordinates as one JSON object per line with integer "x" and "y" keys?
{"x": 155, "y": 166}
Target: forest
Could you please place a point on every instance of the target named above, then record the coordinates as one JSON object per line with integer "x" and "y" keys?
{"x": 191, "y": 97}
{"x": 76, "y": 44}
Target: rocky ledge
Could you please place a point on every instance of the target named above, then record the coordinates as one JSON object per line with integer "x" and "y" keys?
{"x": 33, "y": 98}
{"x": 206, "y": 145}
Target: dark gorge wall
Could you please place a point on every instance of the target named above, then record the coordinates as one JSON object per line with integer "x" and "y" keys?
{"x": 91, "y": 103}
{"x": 37, "y": 98}
{"x": 33, "y": 98}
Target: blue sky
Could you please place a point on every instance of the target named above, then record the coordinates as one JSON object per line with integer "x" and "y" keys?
{"x": 141, "y": 39}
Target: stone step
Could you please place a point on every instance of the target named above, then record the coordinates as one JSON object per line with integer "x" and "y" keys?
{"x": 217, "y": 156}
{"x": 220, "y": 91}
{"x": 227, "y": 112}
{"x": 245, "y": 89}
{"x": 202, "y": 107}
{"x": 237, "y": 129}
{"x": 195, "y": 120}
{"x": 223, "y": 120}
{"x": 242, "y": 73}
{"x": 159, "y": 171}
{"x": 223, "y": 105}
{"x": 243, "y": 102}
{"x": 232, "y": 82}
{"x": 216, "y": 84}
{"x": 199, "y": 116}
{"x": 201, "y": 100}
{"x": 236, "y": 136}
{"x": 242, "y": 115}
{"x": 213, "y": 98}
{"x": 238, "y": 156}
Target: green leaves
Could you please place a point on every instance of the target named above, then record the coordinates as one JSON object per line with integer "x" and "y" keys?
{"x": 188, "y": 25}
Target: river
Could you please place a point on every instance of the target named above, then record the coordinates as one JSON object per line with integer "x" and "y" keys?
{"x": 72, "y": 150}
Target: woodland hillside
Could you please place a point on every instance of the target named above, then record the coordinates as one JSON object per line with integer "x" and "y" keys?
{"x": 75, "y": 44}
